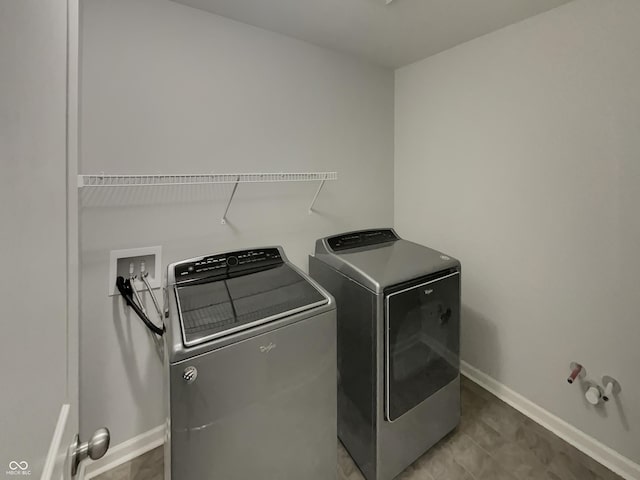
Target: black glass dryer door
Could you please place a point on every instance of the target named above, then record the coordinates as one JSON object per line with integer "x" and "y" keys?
{"x": 422, "y": 352}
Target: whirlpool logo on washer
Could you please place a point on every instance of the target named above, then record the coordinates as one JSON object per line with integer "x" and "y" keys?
{"x": 18, "y": 468}
{"x": 428, "y": 291}
{"x": 267, "y": 348}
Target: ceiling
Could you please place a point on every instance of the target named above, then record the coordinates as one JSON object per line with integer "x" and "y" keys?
{"x": 392, "y": 35}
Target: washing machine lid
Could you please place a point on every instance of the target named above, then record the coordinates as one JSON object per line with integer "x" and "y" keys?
{"x": 226, "y": 293}
{"x": 379, "y": 258}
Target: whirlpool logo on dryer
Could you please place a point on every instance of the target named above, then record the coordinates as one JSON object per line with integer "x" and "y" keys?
{"x": 267, "y": 348}
{"x": 18, "y": 468}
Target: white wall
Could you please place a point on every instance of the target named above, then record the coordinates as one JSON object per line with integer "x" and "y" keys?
{"x": 33, "y": 228}
{"x": 170, "y": 89}
{"x": 519, "y": 153}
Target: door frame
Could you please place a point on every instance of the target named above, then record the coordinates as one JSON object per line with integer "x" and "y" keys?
{"x": 56, "y": 464}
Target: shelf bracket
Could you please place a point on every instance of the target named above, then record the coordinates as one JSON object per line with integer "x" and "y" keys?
{"x": 315, "y": 197}
{"x": 223, "y": 221}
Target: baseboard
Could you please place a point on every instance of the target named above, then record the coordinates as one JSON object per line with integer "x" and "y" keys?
{"x": 608, "y": 457}
{"x": 125, "y": 452}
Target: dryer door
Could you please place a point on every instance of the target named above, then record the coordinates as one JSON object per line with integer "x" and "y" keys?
{"x": 422, "y": 341}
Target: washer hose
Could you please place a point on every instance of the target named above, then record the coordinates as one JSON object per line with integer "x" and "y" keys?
{"x": 124, "y": 287}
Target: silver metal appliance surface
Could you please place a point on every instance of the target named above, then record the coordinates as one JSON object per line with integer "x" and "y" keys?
{"x": 250, "y": 357}
{"x": 398, "y": 306}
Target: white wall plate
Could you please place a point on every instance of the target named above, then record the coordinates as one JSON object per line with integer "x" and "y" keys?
{"x": 119, "y": 265}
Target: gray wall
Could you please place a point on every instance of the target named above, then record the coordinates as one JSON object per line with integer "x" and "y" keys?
{"x": 518, "y": 153}
{"x": 33, "y": 229}
{"x": 169, "y": 89}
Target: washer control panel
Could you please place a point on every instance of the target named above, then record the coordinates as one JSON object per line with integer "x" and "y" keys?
{"x": 361, "y": 239}
{"x": 227, "y": 263}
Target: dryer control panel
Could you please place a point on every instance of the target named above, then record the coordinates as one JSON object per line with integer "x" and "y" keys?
{"x": 363, "y": 238}
{"x": 227, "y": 264}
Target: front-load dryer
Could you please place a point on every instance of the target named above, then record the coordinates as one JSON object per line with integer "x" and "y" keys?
{"x": 250, "y": 370}
{"x": 398, "y": 306}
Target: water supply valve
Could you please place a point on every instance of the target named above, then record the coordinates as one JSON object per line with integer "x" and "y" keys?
{"x": 593, "y": 394}
{"x": 611, "y": 387}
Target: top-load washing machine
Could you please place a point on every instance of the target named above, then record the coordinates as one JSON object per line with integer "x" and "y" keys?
{"x": 250, "y": 373}
{"x": 398, "y": 306}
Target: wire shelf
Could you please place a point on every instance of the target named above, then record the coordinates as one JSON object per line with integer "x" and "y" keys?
{"x": 204, "y": 179}
{"x": 168, "y": 180}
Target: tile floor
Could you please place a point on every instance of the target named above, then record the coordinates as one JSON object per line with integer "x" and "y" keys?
{"x": 493, "y": 442}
